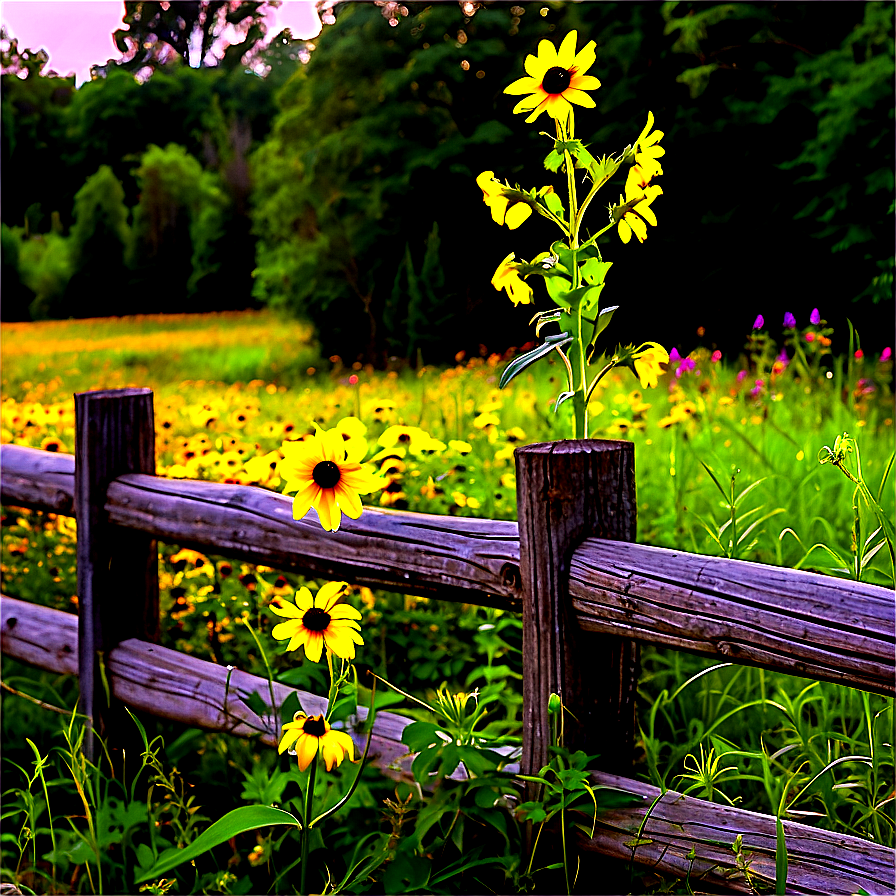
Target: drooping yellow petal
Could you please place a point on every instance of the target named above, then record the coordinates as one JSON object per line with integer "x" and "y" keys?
{"x": 349, "y": 502}
{"x": 306, "y": 750}
{"x": 328, "y": 510}
{"x": 625, "y": 232}
{"x": 516, "y": 214}
{"x": 314, "y": 646}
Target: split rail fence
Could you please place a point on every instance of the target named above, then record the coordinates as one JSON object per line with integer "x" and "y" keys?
{"x": 587, "y": 594}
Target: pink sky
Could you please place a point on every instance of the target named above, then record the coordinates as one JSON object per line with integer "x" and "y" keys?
{"x": 78, "y": 33}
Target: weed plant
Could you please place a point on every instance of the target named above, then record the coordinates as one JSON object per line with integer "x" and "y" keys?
{"x": 727, "y": 459}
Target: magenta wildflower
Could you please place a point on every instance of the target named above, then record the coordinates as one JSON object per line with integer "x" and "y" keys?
{"x": 789, "y": 321}
{"x": 759, "y": 323}
{"x": 686, "y": 364}
{"x": 815, "y": 317}
{"x": 886, "y": 354}
{"x": 859, "y": 354}
{"x": 740, "y": 376}
{"x": 757, "y": 388}
{"x": 810, "y": 337}
{"x": 716, "y": 357}
{"x": 674, "y": 356}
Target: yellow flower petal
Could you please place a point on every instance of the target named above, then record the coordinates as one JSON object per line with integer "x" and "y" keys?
{"x": 567, "y": 52}
{"x": 306, "y": 750}
{"x": 524, "y": 85}
{"x": 579, "y": 97}
{"x": 314, "y": 646}
{"x": 516, "y": 214}
{"x": 329, "y": 594}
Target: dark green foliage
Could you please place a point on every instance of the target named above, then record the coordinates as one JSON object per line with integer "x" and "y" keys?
{"x": 16, "y": 295}
{"x": 99, "y": 243}
{"x": 177, "y": 222}
{"x": 779, "y": 138}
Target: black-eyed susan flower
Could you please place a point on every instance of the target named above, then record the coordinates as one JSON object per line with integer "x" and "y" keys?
{"x": 556, "y": 79}
{"x": 634, "y": 210}
{"x": 319, "y": 621}
{"x": 504, "y": 211}
{"x": 311, "y": 735}
{"x": 326, "y": 473}
{"x": 647, "y": 360}
{"x": 507, "y": 277}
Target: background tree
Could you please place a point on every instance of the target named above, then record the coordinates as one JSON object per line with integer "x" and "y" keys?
{"x": 16, "y": 295}
{"x": 99, "y": 243}
{"x": 195, "y": 32}
{"x": 381, "y": 135}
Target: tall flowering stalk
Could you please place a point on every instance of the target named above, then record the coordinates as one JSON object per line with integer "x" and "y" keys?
{"x": 574, "y": 270}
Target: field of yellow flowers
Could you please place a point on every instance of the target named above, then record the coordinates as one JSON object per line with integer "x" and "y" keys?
{"x": 231, "y": 389}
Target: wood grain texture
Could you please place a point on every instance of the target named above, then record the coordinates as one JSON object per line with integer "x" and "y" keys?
{"x": 118, "y": 568}
{"x": 172, "y": 685}
{"x": 457, "y": 559}
{"x": 162, "y": 681}
{"x": 819, "y": 861}
{"x": 797, "y": 622}
{"x": 566, "y": 492}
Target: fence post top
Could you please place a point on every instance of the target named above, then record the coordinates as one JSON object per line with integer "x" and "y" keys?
{"x": 577, "y": 446}
{"x": 112, "y": 393}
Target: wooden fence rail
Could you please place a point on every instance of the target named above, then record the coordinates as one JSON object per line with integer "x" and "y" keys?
{"x": 584, "y": 596}
{"x": 782, "y": 619}
{"x": 198, "y": 693}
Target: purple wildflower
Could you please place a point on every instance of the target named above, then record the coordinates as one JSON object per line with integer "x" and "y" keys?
{"x": 789, "y": 321}
{"x": 815, "y": 317}
{"x": 759, "y": 323}
{"x": 740, "y": 376}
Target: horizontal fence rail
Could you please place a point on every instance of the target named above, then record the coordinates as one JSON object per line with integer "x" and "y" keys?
{"x": 788, "y": 620}
{"x": 659, "y": 833}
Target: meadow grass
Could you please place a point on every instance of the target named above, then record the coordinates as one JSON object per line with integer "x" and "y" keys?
{"x": 232, "y": 387}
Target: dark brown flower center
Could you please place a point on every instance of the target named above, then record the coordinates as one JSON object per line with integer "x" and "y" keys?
{"x": 315, "y": 726}
{"x": 316, "y": 620}
{"x": 556, "y": 79}
{"x": 326, "y": 474}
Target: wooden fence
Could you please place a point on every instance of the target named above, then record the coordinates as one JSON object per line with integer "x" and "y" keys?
{"x": 587, "y": 594}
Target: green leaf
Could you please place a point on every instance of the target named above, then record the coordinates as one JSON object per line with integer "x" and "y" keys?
{"x": 406, "y": 874}
{"x": 420, "y": 735}
{"x": 780, "y": 860}
{"x": 554, "y": 203}
{"x": 245, "y": 818}
{"x": 553, "y": 161}
{"x": 520, "y": 363}
{"x": 558, "y": 288}
{"x": 594, "y": 271}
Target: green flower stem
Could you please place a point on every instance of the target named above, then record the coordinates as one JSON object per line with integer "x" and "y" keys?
{"x": 577, "y": 349}
{"x": 598, "y": 378}
{"x": 306, "y": 830}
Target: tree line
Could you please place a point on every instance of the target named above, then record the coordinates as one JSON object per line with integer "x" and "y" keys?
{"x": 337, "y": 181}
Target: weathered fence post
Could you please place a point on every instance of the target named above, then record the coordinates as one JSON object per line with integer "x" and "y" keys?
{"x": 118, "y": 579}
{"x": 566, "y": 492}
